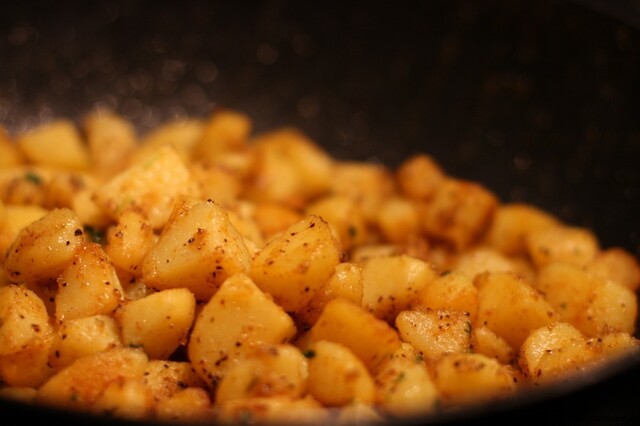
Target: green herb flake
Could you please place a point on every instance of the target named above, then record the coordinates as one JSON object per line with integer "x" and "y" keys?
{"x": 419, "y": 358}
{"x": 563, "y": 305}
{"x": 34, "y": 178}
{"x": 309, "y": 353}
{"x": 400, "y": 377}
{"x": 95, "y": 235}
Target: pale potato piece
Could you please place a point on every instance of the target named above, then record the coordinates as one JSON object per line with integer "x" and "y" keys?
{"x": 186, "y": 405}
{"x": 611, "y": 308}
{"x": 198, "y": 249}
{"x": 419, "y": 176}
{"x": 452, "y": 290}
{"x": 562, "y": 244}
{"x": 22, "y": 394}
{"x": 483, "y": 259}
{"x": 472, "y": 379}
{"x": 293, "y": 266}
{"x": 129, "y": 241}
{"x": 81, "y": 383}
{"x": 616, "y": 264}
{"x": 218, "y": 183}
{"x": 25, "y": 185}
{"x": 554, "y": 351}
{"x": 88, "y": 212}
{"x": 77, "y": 338}
{"x": 337, "y": 376}
{"x": 265, "y": 371}
{"x": 459, "y": 213}
{"x": 28, "y": 367}
{"x": 486, "y": 342}
{"x": 273, "y": 410}
{"x": 167, "y": 378}
{"x": 511, "y": 224}
{"x": 369, "y": 338}
{"x": 510, "y": 307}
{"x": 344, "y": 216}
{"x": 56, "y": 144}
{"x": 398, "y": 220}
{"x": 43, "y": 249}
{"x": 435, "y": 332}
{"x": 273, "y": 218}
{"x": 613, "y": 345}
{"x": 128, "y": 399}
{"x": 111, "y": 139}
{"x": 391, "y": 284}
{"x": 238, "y": 317}
{"x": 182, "y": 135}
{"x": 149, "y": 186}
{"x": 159, "y": 322}
{"x": 10, "y": 155}
{"x": 24, "y": 320}
{"x": 225, "y": 130}
{"x": 404, "y": 386}
{"x": 89, "y": 286}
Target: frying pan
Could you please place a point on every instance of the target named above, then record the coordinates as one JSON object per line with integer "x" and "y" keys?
{"x": 537, "y": 100}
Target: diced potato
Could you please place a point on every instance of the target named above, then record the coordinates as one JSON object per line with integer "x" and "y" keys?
{"x": 510, "y": 307}
{"x": 391, "y": 284}
{"x": 404, "y": 386}
{"x": 337, "y": 376}
{"x": 186, "y": 405}
{"x": 158, "y": 323}
{"x": 43, "y": 249}
{"x": 24, "y": 320}
{"x": 241, "y": 215}
{"x": 63, "y": 186}
{"x": 611, "y": 308}
{"x": 346, "y": 283}
{"x": 486, "y": 342}
{"x": 472, "y": 379}
{"x": 129, "y": 241}
{"x": 369, "y": 338}
{"x": 419, "y": 176}
{"x": 28, "y": 367}
{"x": 166, "y": 378}
{"x": 56, "y": 144}
{"x": 345, "y": 218}
{"x": 128, "y": 399}
{"x": 89, "y": 286}
{"x": 435, "y": 332}
{"x": 22, "y": 394}
{"x": 361, "y": 254}
{"x": 150, "y": 187}
{"x": 25, "y": 185}
{"x": 398, "y": 220}
{"x": 273, "y": 410}
{"x": 511, "y": 225}
{"x": 77, "y": 338}
{"x": 238, "y": 317}
{"x": 273, "y": 218}
{"x": 111, "y": 140}
{"x": 452, "y": 290}
{"x": 459, "y": 213}
{"x": 218, "y": 183}
{"x": 616, "y": 264}
{"x": 266, "y": 371}
{"x": 179, "y": 134}
{"x": 10, "y": 156}
{"x": 562, "y": 244}
{"x": 81, "y": 383}
{"x": 88, "y": 212}
{"x": 612, "y": 345}
{"x": 199, "y": 249}
{"x": 225, "y": 130}
{"x": 296, "y": 264}
{"x": 483, "y": 259}
{"x": 553, "y": 351}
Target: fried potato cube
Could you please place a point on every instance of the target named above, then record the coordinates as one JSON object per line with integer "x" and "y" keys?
{"x": 435, "y": 332}
{"x": 486, "y": 342}
{"x": 398, "y": 220}
{"x": 181, "y": 135}
{"x": 129, "y": 241}
{"x": 30, "y": 366}
{"x": 512, "y": 223}
{"x": 553, "y": 351}
{"x": 562, "y": 244}
{"x": 12, "y": 219}
{"x": 77, "y": 338}
{"x": 198, "y": 249}
{"x": 166, "y": 378}
{"x": 225, "y": 130}
{"x": 612, "y": 307}
{"x": 369, "y": 338}
{"x": 126, "y": 399}
{"x": 459, "y": 213}
{"x": 273, "y": 218}
{"x": 186, "y": 405}
{"x": 218, "y": 183}
{"x": 159, "y": 322}
{"x": 391, "y": 284}
{"x": 273, "y": 410}
{"x": 238, "y": 317}
{"x": 111, "y": 139}
{"x": 81, "y": 383}
{"x": 510, "y": 307}
{"x": 337, "y": 377}
{"x": 419, "y": 176}
{"x": 293, "y": 266}
{"x": 24, "y": 320}
{"x": 483, "y": 259}
{"x": 345, "y": 218}
{"x": 43, "y": 249}
{"x": 611, "y": 345}
{"x": 452, "y": 290}
{"x": 616, "y": 264}
{"x": 288, "y": 168}
{"x": 10, "y": 155}
{"x": 89, "y": 286}
{"x": 56, "y": 144}
{"x": 472, "y": 379}
{"x": 404, "y": 386}
{"x": 266, "y": 371}
{"x": 150, "y": 187}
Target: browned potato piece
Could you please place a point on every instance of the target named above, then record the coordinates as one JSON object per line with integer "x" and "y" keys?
{"x": 111, "y": 140}
{"x": 562, "y": 244}
{"x": 181, "y": 135}
{"x": 483, "y": 259}
{"x": 344, "y": 216}
{"x": 225, "y": 130}
{"x": 419, "y": 176}
{"x": 10, "y": 156}
{"x": 370, "y": 338}
{"x": 391, "y": 284}
{"x": 398, "y": 220}
{"x": 28, "y": 367}
{"x": 450, "y": 291}
{"x": 611, "y": 308}
{"x": 198, "y": 250}
{"x": 186, "y": 405}
{"x": 296, "y": 264}
{"x": 125, "y": 399}
{"x": 89, "y": 286}
{"x": 273, "y": 410}
{"x": 129, "y": 241}
{"x": 459, "y": 212}
{"x": 618, "y": 265}
{"x": 435, "y": 332}
{"x": 273, "y": 218}
{"x": 56, "y": 144}
{"x": 166, "y": 378}
{"x": 238, "y": 317}
{"x": 24, "y": 320}
{"x": 486, "y": 342}
{"x": 510, "y": 307}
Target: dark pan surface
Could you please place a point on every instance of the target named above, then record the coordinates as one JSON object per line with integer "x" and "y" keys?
{"x": 538, "y": 100}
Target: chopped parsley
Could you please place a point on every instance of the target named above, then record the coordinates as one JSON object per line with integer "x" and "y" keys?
{"x": 95, "y": 235}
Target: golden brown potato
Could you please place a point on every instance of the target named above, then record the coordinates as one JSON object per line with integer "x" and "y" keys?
{"x": 10, "y": 156}
{"x": 125, "y": 399}
{"x": 419, "y": 176}
{"x": 186, "y": 405}
{"x": 129, "y": 241}
{"x": 616, "y": 264}
{"x": 56, "y": 144}
{"x": 562, "y": 244}
{"x": 25, "y": 320}
{"x": 452, "y": 290}
{"x": 111, "y": 140}
{"x": 345, "y": 218}
{"x": 398, "y": 220}
{"x": 166, "y": 378}
{"x": 486, "y": 342}
{"x": 181, "y": 135}
{"x": 225, "y": 130}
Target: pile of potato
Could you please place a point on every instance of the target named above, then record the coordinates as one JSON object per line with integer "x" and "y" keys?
{"x": 202, "y": 272}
